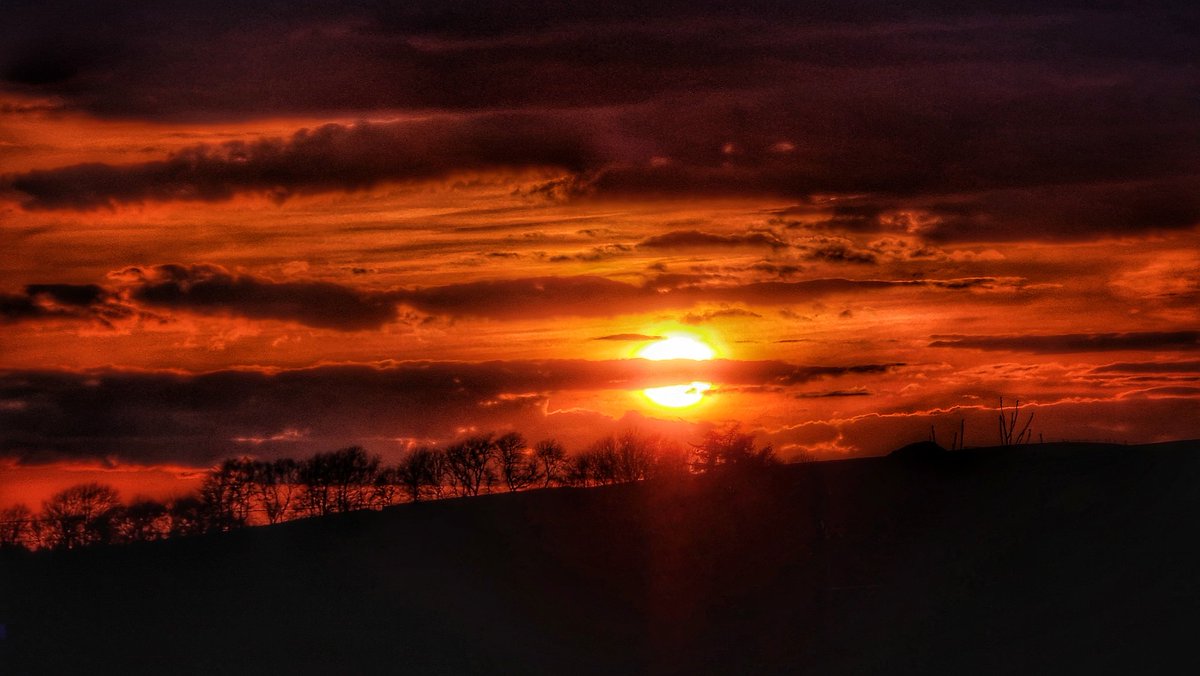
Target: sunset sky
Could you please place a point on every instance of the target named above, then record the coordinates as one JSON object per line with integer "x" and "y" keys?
{"x": 283, "y": 227}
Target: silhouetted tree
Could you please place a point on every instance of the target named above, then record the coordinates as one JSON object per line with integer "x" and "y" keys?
{"x": 633, "y": 458}
{"x": 670, "y": 460}
{"x": 188, "y": 516}
{"x": 580, "y": 470}
{"x": 730, "y": 448}
{"x": 422, "y": 473}
{"x": 519, "y": 468}
{"x": 469, "y": 465}
{"x": 387, "y": 488}
{"x": 228, "y": 493}
{"x": 276, "y": 485}
{"x": 338, "y": 481}
{"x": 552, "y": 461}
{"x": 17, "y": 528}
{"x": 80, "y": 515}
{"x": 596, "y": 466}
{"x": 142, "y": 521}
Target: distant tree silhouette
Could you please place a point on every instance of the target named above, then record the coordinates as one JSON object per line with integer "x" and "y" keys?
{"x": 670, "y": 460}
{"x": 387, "y": 488}
{"x": 142, "y": 521}
{"x": 730, "y": 448}
{"x": 469, "y": 465}
{"x": 17, "y": 528}
{"x": 519, "y": 468}
{"x": 80, "y": 515}
{"x": 422, "y": 473}
{"x": 188, "y": 516}
{"x": 551, "y": 458}
{"x": 595, "y": 466}
{"x": 338, "y": 481}
{"x": 228, "y": 494}
{"x": 633, "y": 456}
{"x": 276, "y": 485}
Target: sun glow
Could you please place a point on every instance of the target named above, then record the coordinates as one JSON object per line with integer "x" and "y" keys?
{"x": 678, "y": 347}
{"x": 678, "y": 396}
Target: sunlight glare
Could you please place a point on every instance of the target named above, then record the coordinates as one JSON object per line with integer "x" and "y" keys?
{"x": 677, "y": 347}
{"x": 678, "y": 396}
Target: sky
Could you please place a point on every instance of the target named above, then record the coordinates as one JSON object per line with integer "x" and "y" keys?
{"x": 276, "y": 228}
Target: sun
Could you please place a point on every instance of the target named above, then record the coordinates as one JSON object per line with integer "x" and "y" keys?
{"x": 678, "y": 396}
{"x": 678, "y": 347}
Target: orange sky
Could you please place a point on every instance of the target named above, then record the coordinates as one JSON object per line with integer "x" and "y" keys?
{"x": 403, "y": 230}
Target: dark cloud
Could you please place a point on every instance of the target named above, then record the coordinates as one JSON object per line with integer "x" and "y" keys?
{"x": 691, "y": 239}
{"x": 211, "y": 289}
{"x": 599, "y": 296}
{"x": 89, "y": 302}
{"x": 722, "y": 313}
{"x": 836, "y": 250}
{"x": 988, "y": 121}
{"x": 832, "y": 394}
{"x": 1076, "y": 342}
{"x": 634, "y": 337}
{"x": 329, "y": 158}
{"x": 156, "y": 291}
{"x": 1165, "y": 367}
{"x": 195, "y": 419}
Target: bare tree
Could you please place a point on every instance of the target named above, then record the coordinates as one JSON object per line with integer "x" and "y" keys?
{"x": 519, "y": 468}
{"x": 729, "y": 447}
{"x": 552, "y": 461}
{"x": 633, "y": 456}
{"x": 142, "y": 521}
{"x": 422, "y": 473}
{"x": 387, "y": 487}
{"x": 469, "y": 465}
{"x": 338, "y": 481}
{"x": 17, "y": 528}
{"x": 276, "y": 485}
{"x": 670, "y": 460}
{"x": 188, "y": 516}
{"x": 80, "y": 515}
{"x": 228, "y": 493}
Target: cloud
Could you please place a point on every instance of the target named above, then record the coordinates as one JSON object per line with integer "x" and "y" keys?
{"x": 633, "y": 337}
{"x": 836, "y": 250}
{"x": 88, "y": 302}
{"x": 333, "y": 157}
{"x": 1076, "y": 342}
{"x": 692, "y": 239}
{"x": 213, "y": 290}
{"x": 194, "y": 419}
{"x": 204, "y": 289}
{"x": 833, "y": 394}
{"x": 723, "y": 313}
{"x": 1164, "y": 367}
{"x": 1096, "y": 135}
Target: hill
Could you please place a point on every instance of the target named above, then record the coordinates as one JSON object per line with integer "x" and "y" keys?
{"x": 1043, "y": 558}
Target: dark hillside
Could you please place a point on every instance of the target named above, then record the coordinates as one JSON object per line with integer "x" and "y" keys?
{"x": 1033, "y": 559}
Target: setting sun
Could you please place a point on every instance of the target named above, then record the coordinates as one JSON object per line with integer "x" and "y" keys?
{"x": 678, "y": 396}
{"x": 678, "y": 347}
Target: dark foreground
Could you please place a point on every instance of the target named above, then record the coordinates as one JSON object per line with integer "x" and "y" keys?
{"x": 1079, "y": 558}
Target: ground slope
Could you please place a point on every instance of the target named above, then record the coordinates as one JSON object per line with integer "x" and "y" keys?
{"x": 1035, "y": 559}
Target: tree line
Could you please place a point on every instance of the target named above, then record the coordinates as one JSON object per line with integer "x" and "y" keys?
{"x": 246, "y": 491}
